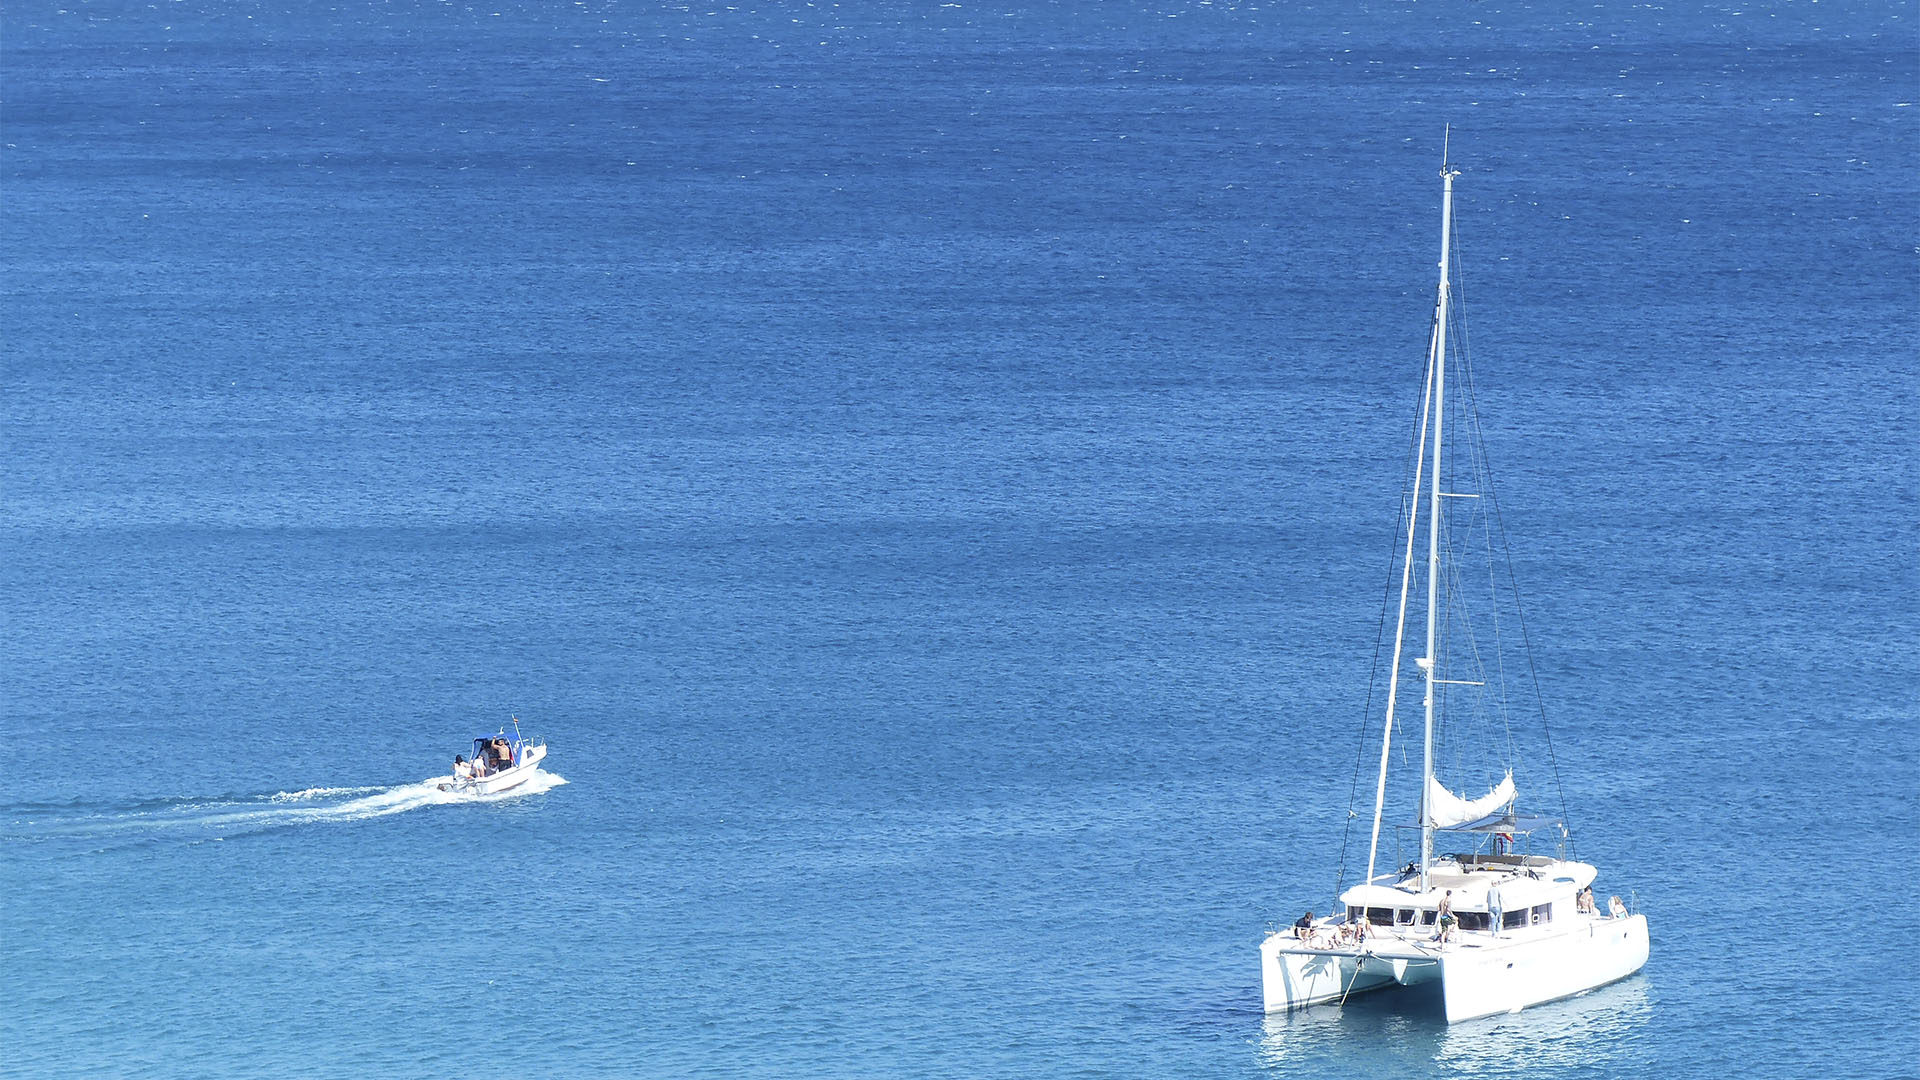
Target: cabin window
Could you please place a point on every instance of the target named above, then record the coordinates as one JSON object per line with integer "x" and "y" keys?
{"x": 1405, "y": 917}
{"x": 1427, "y": 918}
{"x": 1513, "y": 920}
{"x": 1380, "y": 916}
{"x": 1472, "y": 920}
{"x": 1543, "y": 914}
{"x": 1353, "y": 915}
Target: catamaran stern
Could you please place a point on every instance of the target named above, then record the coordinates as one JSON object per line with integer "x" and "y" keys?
{"x": 1292, "y": 977}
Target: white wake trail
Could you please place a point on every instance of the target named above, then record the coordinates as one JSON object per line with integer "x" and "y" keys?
{"x": 358, "y": 804}
{"x": 202, "y": 820}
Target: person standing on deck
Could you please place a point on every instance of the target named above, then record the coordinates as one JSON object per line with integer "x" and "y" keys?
{"x": 1494, "y": 911}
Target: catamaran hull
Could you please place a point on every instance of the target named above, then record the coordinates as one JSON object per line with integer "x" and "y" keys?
{"x": 1473, "y": 982}
{"x": 1505, "y": 980}
{"x": 1293, "y": 980}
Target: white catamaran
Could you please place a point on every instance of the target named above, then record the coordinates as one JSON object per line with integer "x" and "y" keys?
{"x": 1491, "y": 925}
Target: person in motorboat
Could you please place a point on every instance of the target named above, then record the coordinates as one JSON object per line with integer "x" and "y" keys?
{"x": 461, "y": 770}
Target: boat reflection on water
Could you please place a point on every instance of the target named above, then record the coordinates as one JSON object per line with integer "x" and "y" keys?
{"x": 1593, "y": 1032}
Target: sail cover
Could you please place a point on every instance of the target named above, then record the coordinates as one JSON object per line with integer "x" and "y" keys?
{"x": 1445, "y": 809}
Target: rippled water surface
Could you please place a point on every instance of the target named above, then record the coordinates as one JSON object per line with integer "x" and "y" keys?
{"x": 929, "y": 472}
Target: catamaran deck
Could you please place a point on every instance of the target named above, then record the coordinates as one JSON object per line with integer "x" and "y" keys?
{"x": 1520, "y": 934}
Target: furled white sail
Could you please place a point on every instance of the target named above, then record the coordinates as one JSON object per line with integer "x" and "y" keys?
{"x": 1447, "y": 809}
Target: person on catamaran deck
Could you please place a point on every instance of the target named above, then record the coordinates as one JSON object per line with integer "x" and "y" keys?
{"x": 1446, "y": 918}
{"x": 1304, "y": 927}
{"x": 1495, "y": 911}
{"x": 1616, "y": 907}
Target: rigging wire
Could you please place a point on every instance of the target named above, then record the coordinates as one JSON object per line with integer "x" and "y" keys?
{"x": 1533, "y": 673}
{"x": 1488, "y": 521}
{"x": 1483, "y": 483}
{"x": 1408, "y": 514}
{"x": 1366, "y": 714}
{"x": 1477, "y": 522}
{"x": 1497, "y": 524}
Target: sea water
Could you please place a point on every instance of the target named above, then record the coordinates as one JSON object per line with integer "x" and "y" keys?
{"x": 929, "y": 470}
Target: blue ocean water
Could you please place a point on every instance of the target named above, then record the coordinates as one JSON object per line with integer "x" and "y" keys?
{"x": 929, "y": 471}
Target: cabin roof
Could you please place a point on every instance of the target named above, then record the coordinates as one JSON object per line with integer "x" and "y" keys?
{"x": 1520, "y": 886}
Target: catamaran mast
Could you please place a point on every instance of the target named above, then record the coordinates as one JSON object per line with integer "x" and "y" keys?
{"x": 1437, "y": 372}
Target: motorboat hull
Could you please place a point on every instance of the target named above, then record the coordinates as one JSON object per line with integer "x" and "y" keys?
{"x": 503, "y": 780}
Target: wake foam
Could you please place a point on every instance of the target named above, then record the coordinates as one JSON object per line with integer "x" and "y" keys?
{"x": 321, "y": 793}
{"x": 201, "y": 820}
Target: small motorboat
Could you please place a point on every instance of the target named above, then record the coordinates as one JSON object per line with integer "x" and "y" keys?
{"x": 500, "y": 762}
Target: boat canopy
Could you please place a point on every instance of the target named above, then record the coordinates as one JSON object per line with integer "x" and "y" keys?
{"x": 485, "y": 746}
